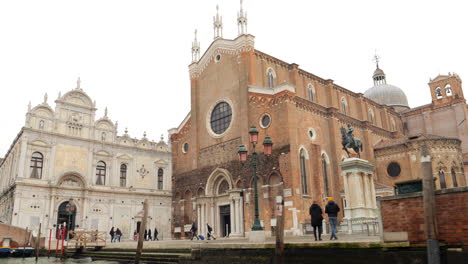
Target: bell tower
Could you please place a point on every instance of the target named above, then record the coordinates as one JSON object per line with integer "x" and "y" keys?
{"x": 446, "y": 88}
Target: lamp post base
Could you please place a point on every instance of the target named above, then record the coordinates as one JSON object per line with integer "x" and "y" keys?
{"x": 257, "y": 236}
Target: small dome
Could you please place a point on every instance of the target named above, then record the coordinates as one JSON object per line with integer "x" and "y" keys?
{"x": 378, "y": 72}
{"x": 387, "y": 94}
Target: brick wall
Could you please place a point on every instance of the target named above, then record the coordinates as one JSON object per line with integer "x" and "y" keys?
{"x": 405, "y": 213}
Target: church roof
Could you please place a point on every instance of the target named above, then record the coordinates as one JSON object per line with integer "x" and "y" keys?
{"x": 403, "y": 140}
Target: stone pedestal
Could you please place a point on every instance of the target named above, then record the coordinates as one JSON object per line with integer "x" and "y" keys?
{"x": 257, "y": 236}
{"x": 360, "y": 205}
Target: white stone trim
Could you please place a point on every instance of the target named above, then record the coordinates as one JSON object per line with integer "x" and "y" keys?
{"x": 272, "y": 91}
{"x": 242, "y": 43}
{"x": 208, "y": 117}
{"x": 260, "y": 120}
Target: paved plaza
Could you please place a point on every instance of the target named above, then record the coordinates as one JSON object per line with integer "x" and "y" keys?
{"x": 244, "y": 242}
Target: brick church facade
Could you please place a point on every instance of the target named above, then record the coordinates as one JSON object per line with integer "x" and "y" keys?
{"x": 234, "y": 86}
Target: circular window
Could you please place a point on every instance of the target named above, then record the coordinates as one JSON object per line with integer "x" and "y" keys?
{"x": 311, "y": 133}
{"x": 218, "y": 58}
{"x": 393, "y": 169}
{"x": 185, "y": 148}
{"x": 221, "y": 118}
{"x": 265, "y": 121}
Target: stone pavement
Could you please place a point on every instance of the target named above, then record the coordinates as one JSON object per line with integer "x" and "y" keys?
{"x": 243, "y": 242}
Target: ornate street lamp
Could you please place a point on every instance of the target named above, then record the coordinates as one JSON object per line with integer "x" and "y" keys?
{"x": 267, "y": 145}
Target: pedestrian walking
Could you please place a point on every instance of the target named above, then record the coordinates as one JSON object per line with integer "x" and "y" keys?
{"x": 118, "y": 235}
{"x": 332, "y": 210}
{"x": 209, "y": 235}
{"x": 194, "y": 230}
{"x": 135, "y": 235}
{"x": 316, "y": 217}
{"x": 112, "y": 234}
{"x": 146, "y": 235}
{"x": 150, "y": 238}
{"x": 156, "y": 234}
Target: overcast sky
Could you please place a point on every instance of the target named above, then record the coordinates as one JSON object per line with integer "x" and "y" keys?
{"x": 133, "y": 56}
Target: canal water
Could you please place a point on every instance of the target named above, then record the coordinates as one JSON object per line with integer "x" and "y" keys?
{"x": 45, "y": 260}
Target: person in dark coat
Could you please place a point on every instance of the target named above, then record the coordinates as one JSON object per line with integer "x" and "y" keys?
{"x": 332, "y": 210}
{"x": 146, "y": 235}
{"x": 194, "y": 230}
{"x": 150, "y": 238}
{"x": 156, "y": 234}
{"x": 118, "y": 235}
{"x": 316, "y": 219}
{"x": 112, "y": 234}
{"x": 209, "y": 235}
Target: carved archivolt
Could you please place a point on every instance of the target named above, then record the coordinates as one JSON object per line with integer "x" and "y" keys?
{"x": 71, "y": 181}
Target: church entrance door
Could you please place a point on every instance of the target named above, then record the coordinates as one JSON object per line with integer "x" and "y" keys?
{"x": 63, "y": 217}
{"x": 225, "y": 220}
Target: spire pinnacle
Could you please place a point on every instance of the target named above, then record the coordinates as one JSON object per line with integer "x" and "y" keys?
{"x": 105, "y": 112}
{"x": 376, "y": 59}
{"x": 242, "y": 21}
{"x": 29, "y": 106}
{"x": 45, "y": 98}
{"x": 218, "y": 24}
{"x": 195, "y": 49}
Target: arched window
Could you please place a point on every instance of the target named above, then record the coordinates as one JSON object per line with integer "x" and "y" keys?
{"x": 311, "y": 93}
{"x": 448, "y": 90}
{"x": 101, "y": 173}
{"x": 123, "y": 175}
{"x": 303, "y": 172}
{"x": 271, "y": 78}
{"x": 443, "y": 184}
{"x": 325, "y": 175}
{"x": 438, "y": 92}
{"x": 160, "y": 178}
{"x": 36, "y": 165}
{"x": 454, "y": 178}
{"x": 344, "y": 106}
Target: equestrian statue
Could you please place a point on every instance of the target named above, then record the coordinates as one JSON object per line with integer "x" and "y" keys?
{"x": 349, "y": 141}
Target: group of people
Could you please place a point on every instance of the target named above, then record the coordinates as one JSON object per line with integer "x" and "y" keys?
{"x": 316, "y": 215}
{"x": 315, "y": 211}
{"x": 194, "y": 231}
{"x": 115, "y": 235}
{"x": 147, "y": 235}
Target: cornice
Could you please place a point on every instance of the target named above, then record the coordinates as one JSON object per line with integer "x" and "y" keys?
{"x": 243, "y": 43}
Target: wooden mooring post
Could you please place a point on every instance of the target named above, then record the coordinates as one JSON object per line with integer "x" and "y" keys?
{"x": 26, "y": 240}
{"x": 279, "y": 249}
{"x": 38, "y": 241}
{"x": 142, "y": 232}
{"x": 432, "y": 244}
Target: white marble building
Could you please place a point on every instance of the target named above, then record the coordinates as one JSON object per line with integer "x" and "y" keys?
{"x": 65, "y": 153}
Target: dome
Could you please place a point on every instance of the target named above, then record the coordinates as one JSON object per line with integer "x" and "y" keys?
{"x": 387, "y": 94}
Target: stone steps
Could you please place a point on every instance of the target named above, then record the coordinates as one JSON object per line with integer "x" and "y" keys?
{"x": 122, "y": 255}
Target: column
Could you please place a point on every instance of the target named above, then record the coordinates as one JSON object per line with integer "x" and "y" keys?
{"x": 237, "y": 215}
{"x": 367, "y": 198}
{"x": 90, "y": 168}
{"x": 85, "y": 210}
{"x": 212, "y": 214}
{"x": 198, "y": 216}
{"x": 51, "y": 166}
{"x": 372, "y": 188}
{"x": 232, "y": 215}
{"x": 202, "y": 219}
{"x": 22, "y": 159}
{"x": 241, "y": 215}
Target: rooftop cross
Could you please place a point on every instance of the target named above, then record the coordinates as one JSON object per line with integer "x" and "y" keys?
{"x": 376, "y": 59}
